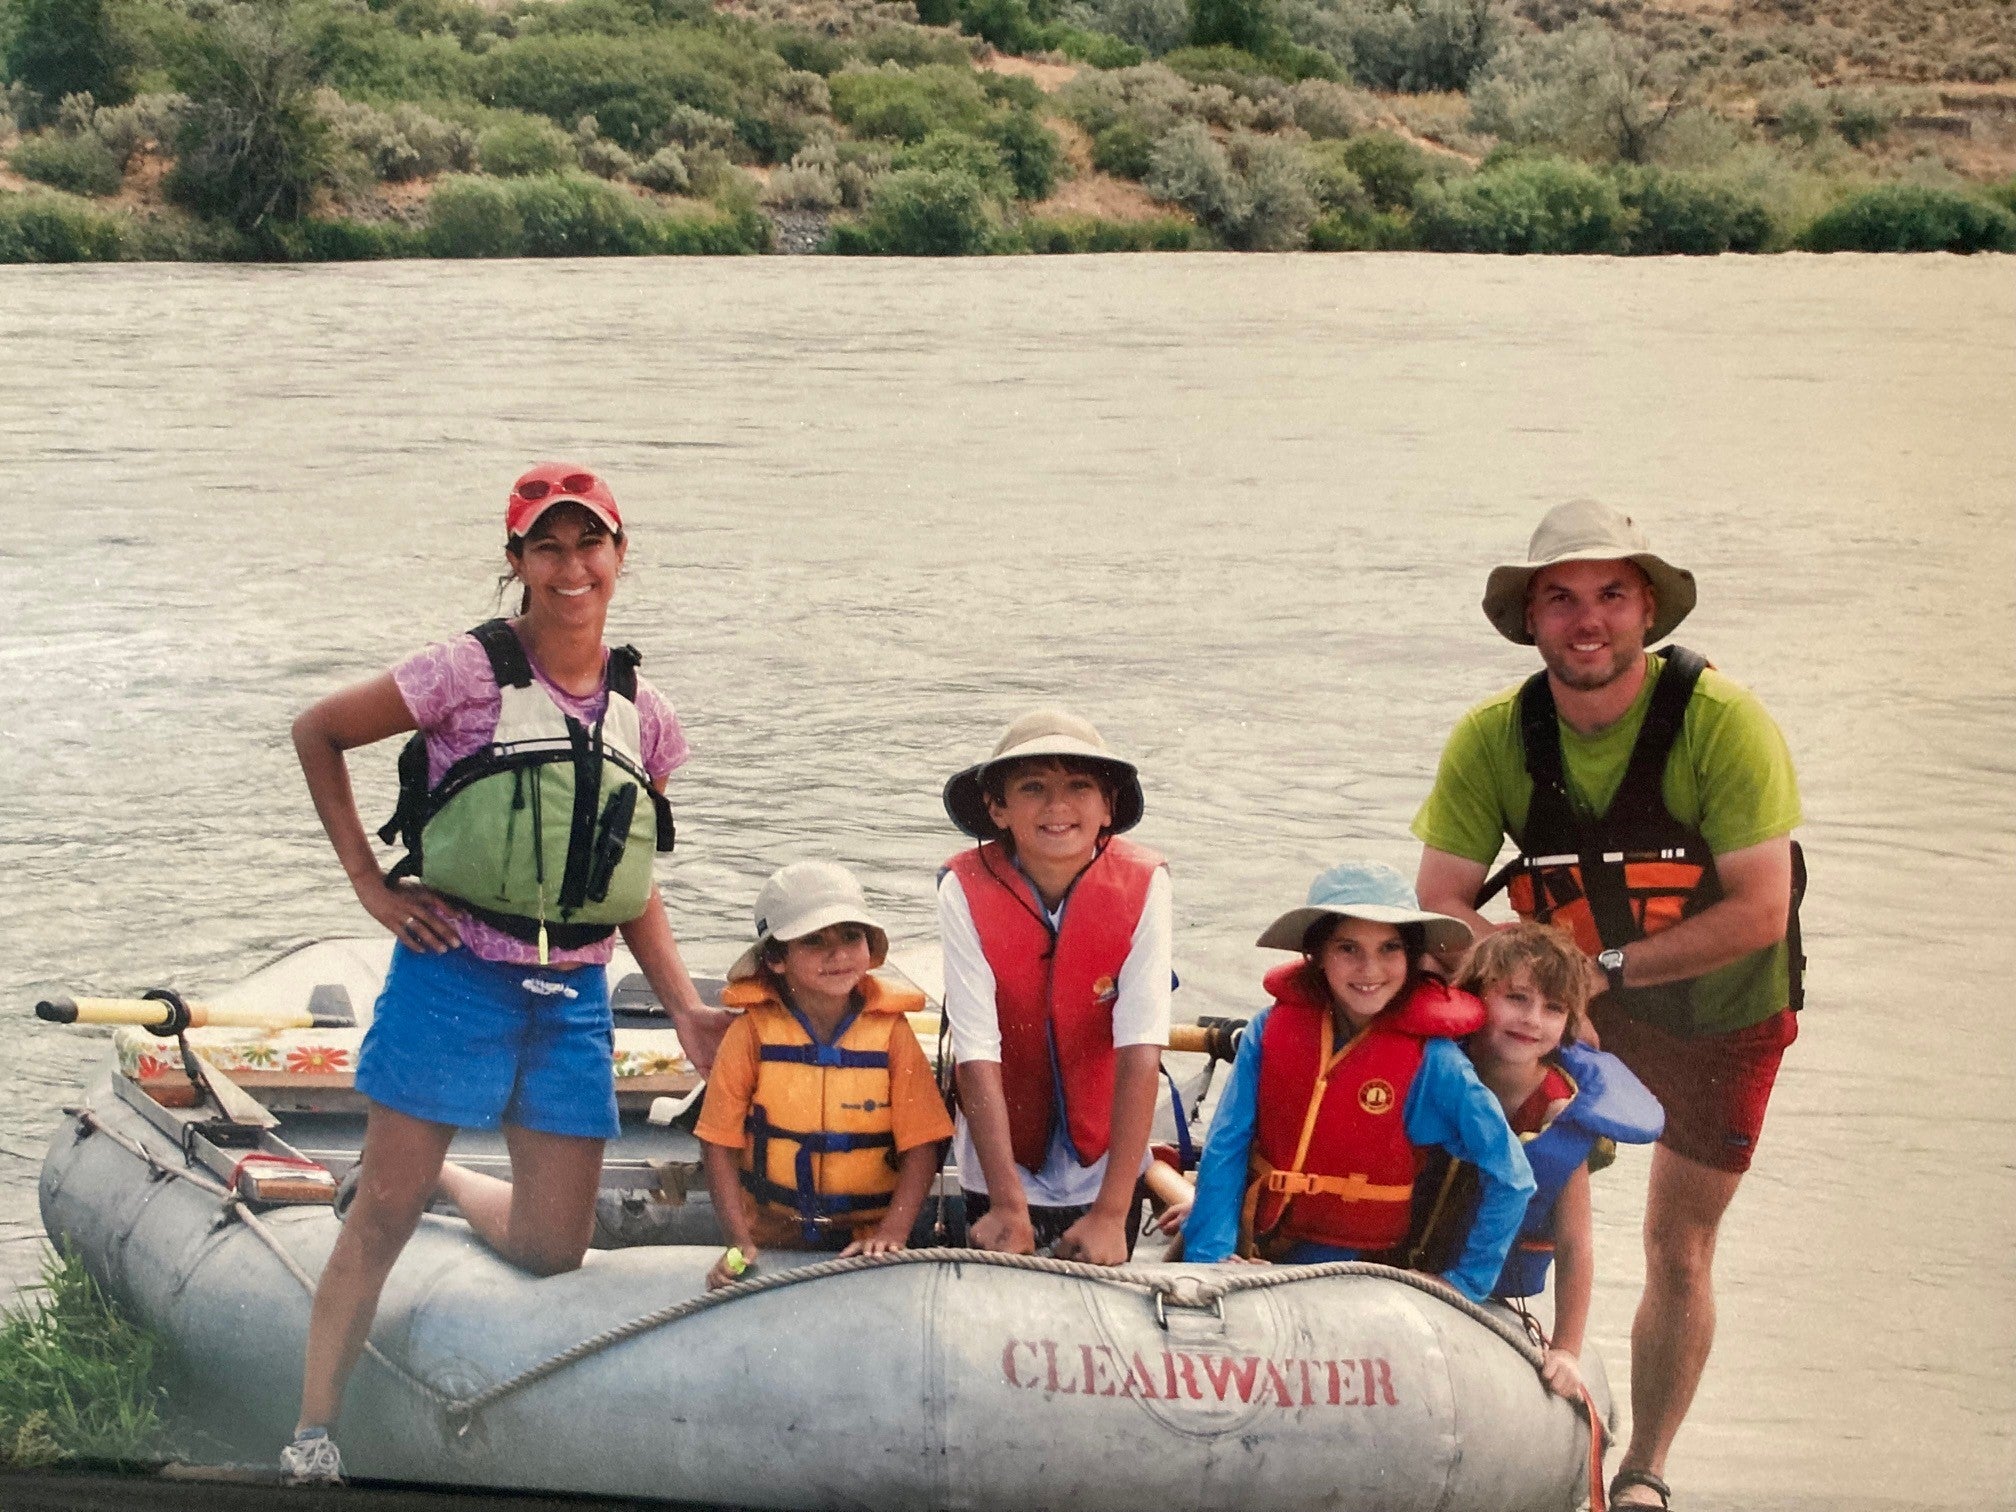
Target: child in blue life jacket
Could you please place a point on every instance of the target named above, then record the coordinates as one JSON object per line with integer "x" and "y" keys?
{"x": 1565, "y": 1101}
{"x": 822, "y": 1121}
{"x": 1056, "y": 934}
{"x": 1342, "y": 1086}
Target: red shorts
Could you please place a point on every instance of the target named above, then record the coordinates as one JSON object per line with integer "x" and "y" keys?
{"x": 1714, "y": 1088}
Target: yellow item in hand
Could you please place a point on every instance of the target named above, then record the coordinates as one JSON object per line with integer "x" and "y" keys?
{"x": 733, "y": 1261}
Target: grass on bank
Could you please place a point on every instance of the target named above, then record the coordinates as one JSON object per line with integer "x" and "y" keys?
{"x": 347, "y": 129}
{"x": 79, "y": 1385}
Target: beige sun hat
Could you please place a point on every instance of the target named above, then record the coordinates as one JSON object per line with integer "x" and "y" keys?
{"x": 1583, "y": 530}
{"x": 802, "y": 899}
{"x": 1043, "y": 732}
{"x": 1363, "y": 890}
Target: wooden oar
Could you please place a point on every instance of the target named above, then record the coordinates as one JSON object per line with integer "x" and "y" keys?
{"x": 1215, "y": 1037}
{"x": 167, "y": 1014}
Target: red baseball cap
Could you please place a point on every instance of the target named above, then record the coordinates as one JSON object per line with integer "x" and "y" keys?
{"x": 551, "y": 483}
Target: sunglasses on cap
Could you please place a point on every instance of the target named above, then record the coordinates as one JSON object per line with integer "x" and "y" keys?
{"x": 532, "y": 490}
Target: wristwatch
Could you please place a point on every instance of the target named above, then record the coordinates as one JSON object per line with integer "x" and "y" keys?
{"x": 1612, "y": 963}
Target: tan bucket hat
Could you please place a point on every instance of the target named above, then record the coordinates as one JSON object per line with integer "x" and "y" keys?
{"x": 1363, "y": 890}
{"x": 1043, "y": 732}
{"x": 802, "y": 899}
{"x": 1583, "y": 530}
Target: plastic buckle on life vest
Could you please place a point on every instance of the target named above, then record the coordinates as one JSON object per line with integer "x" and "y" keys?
{"x": 826, "y": 1055}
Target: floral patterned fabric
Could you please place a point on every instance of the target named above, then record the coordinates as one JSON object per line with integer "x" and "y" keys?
{"x": 333, "y": 1052}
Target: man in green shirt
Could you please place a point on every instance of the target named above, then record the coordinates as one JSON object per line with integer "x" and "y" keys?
{"x": 1676, "y": 878}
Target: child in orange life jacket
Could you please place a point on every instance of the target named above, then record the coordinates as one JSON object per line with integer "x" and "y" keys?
{"x": 822, "y": 1107}
{"x": 1056, "y": 936}
{"x": 1342, "y": 1085}
{"x": 1561, "y": 1098}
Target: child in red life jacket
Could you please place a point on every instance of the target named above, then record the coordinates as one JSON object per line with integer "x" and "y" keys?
{"x": 823, "y": 1120}
{"x": 1056, "y": 939}
{"x": 1341, "y": 1087}
{"x": 1563, "y": 1100}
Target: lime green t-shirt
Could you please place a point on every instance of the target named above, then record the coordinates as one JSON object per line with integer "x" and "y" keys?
{"x": 1730, "y": 776}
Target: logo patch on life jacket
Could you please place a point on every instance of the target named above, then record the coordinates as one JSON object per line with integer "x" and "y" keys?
{"x": 1105, "y": 990}
{"x": 1376, "y": 1096}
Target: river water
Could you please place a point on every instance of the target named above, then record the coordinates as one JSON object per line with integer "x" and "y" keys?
{"x": 1238, "y": 509}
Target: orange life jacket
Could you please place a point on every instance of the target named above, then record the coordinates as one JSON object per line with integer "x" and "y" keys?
{"x": 1635, "y": 869}
{"x": 821, "y": 1142}
{"x": 1054, "y": 992}
{"x": 1331, "y": 1161}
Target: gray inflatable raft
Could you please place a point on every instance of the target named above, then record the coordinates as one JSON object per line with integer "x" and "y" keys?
{"x": 939, "y": 1379}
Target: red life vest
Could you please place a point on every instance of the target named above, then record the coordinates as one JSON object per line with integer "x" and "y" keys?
{"x": 1331, "y": 1160}
{"x": 1054, "y": 993}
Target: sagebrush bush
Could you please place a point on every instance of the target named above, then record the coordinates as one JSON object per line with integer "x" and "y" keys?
{"x": 1525, "y": 205}
{"x": 40, "y": 226}
{"x": 1333, "y": 183}
{"x": 922, "y": 212}
{"x": 1422, "y": 45}
{"x": 572, "y": 215}
{"x": 1691, "y": 215}
{"x": 78, "y": 164}
{"x": 1324, "y": 108}
{"x": 909, "y": 106}
{"x": 1912, "y": 218}
{"x": 957, "y": 152}
{"x": 1253, "y": 193}
{"x": 1124, "y": 150}
{"x": 634, "y": 86}
{"x": 1585, "y": 90}
{"x": 148, "y": 119}
{"x": 473, "y": 217}
{"x": 1366, "y": 231}
{"x": 402, "y": 143}
{"x": 518, "y": 146}
{"x": 364, "y": 55}
{"x": 665, "y": 170}
{"x": 1154, "y": 26}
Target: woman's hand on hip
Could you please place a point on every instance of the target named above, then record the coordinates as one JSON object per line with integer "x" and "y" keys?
{"x": 418, "y": 918}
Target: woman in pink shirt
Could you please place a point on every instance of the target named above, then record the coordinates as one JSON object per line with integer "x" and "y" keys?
{"x": 546, "y": 756}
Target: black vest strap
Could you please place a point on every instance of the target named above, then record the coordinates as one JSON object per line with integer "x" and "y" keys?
{"x": 508, "y": 662}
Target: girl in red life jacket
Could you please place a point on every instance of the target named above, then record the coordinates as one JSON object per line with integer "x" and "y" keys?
{"x": 1056, "y": 941}
{"x": 823, "y": 1122}
{"x": 1341, "y": 1086}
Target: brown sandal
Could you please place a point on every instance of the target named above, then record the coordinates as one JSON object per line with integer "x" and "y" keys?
{"x": 1628, "y": 1478}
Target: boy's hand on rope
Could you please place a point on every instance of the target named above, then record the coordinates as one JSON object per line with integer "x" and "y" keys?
{"x": 877, "y": 1243}
{"x": 1096, "y": 1239}
{"x": 1562, "y": 1372}
{"x": 999, "y": 1229}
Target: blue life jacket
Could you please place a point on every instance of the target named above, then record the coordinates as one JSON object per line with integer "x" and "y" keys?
{"x": 1609, "y": 1103}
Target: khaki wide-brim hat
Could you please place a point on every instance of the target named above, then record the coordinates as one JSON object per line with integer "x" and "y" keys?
{"x": 803, "y": 898}
{"x": 1040, "y": 733}
{"x": 1369, "y": 891}
{"x": 1586, "y": 531}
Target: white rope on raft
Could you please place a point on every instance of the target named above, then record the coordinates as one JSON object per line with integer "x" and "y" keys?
{"x": 1185, "y": 1291}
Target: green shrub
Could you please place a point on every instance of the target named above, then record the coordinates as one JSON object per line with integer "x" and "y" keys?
{"x": 1123, "y": 149}
{"x": 922, "y": 212}
{"x": 253, "y": 147}
{"x": 1361, "y": 231}
{"x": 365, "y": 56}
{"x": 569, "y": 215}
{"x": 402, "y": 143}
{"x": 1863, "y": 117}
{"x": 313, "y": 240}
{"x": 1327, "y": 109}
{"x": 1391, "y": 168}
{"x": 915, "y": 46}
{"x": 665, "y": 170}
{"x": 810, "y": 52}
{"x": 1527, "y": 205}
{"x": 909, "y": 106}
{"x": 1255, "y": 75}
{"x": 40, "y": 226}
{"x": 1333, "y": 182}
{"x": 1068, "y": 234}
{"x": 64, "y": 47}
{"x": 521, "y": 145}
{"x": 473, "y": 217}
{"x": 1030, "y": 152}
{"x": 79, "y": 164}
{"x": 634, "y": 86}
{"x": 1912, "y": 218}
{"x": 1100, "y": 49}
{"x": 1586, "y": 90}
{"x": 1247, "y": 25}
{"x": 1689, "y": 215}
{"x": 956, "y": 152}
{"x": 1154, "y": 26}
{"x": 2003, "y": 194}
{"x": 78, "y": 1383}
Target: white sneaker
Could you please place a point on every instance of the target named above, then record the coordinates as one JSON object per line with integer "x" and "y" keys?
{"x": 312, "y": 1459}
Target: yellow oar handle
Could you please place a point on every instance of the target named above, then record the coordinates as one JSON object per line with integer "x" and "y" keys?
{"x": 1215, "y": 1037}
{"x": 171, "y": 1015}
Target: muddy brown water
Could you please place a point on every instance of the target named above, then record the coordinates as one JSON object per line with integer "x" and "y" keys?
{"x": 1239, "y": 509}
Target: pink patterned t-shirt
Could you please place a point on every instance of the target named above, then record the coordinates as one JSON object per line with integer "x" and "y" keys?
{"x": 452, "y": 695}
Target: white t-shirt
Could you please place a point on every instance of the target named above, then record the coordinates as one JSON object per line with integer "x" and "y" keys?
{"x": 1140, "y": 1017}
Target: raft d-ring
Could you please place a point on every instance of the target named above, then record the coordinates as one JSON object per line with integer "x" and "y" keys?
{"x": 1187, "y": 1292}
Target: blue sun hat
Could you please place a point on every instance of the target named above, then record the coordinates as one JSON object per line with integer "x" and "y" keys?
{"x": 1369, "y": 891}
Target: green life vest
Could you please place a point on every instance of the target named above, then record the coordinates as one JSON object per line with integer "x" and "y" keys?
{"x": 547, "y": 832}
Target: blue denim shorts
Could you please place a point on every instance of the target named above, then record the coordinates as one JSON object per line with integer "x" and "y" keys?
{"x": 459, "y": 1040}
